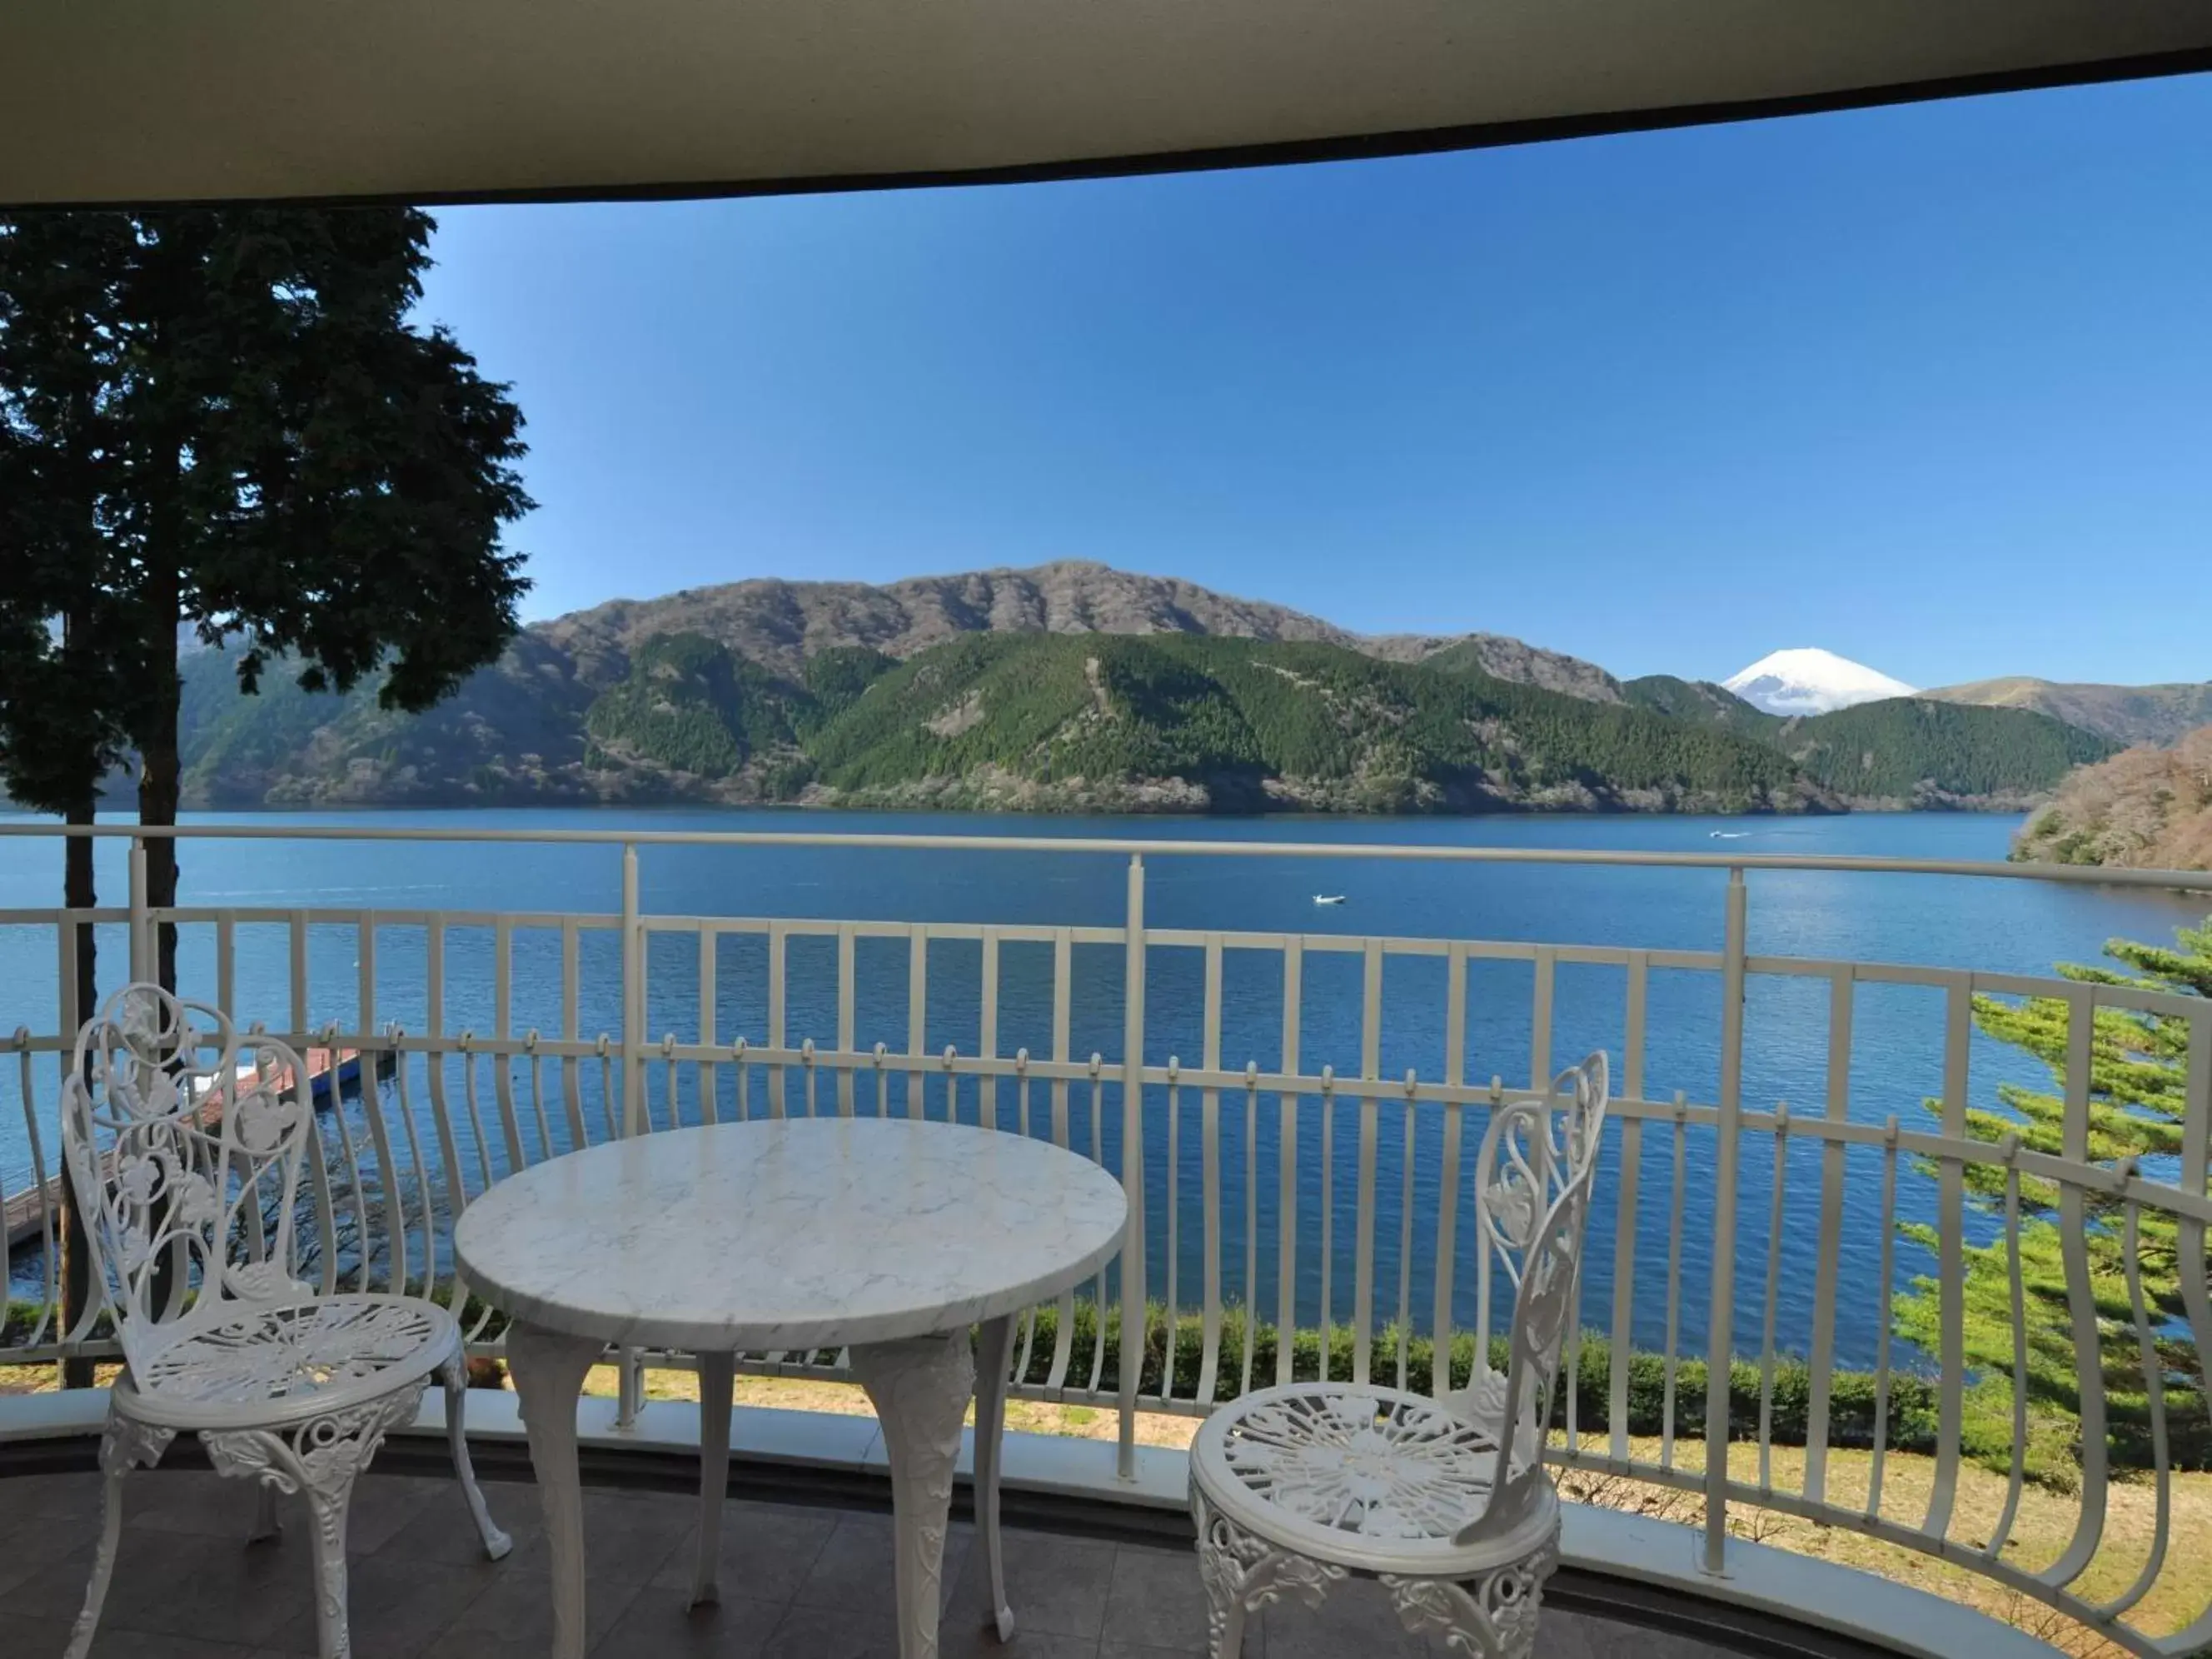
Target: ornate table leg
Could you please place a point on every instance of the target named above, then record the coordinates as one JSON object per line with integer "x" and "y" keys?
{"x": 717, "y": 1382}
{"x": 920, "y": 1387}
{"x": 993, "y": 1353}
{"x": 454, "y": 1375}
{"x": 548, "y": 1369}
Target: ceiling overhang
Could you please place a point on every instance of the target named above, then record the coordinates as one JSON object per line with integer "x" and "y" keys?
{"x": 450, "y": 100}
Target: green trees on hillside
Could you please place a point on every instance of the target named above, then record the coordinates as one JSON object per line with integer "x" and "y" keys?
{"x": 1902, "y": 747}
{"x": 1235, "y": 711}
{"x": 2138, "y": 1066}
{"x": 1700, "y": 701}
{"x": 689, "y": 704}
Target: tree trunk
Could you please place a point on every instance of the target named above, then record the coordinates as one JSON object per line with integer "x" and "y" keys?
{"x": 159, "y": 783}
{"x": 78, "y": 893}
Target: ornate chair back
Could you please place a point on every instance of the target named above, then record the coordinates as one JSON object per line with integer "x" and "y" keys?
{"x": 1533, "y": 1182}
{"x": 183, "y": 1146}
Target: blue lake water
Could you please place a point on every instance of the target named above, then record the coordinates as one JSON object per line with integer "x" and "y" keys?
{"x": 2007, "y": 925}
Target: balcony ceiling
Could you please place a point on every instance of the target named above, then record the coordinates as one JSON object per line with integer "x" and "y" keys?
{"x": 148, "y": 100}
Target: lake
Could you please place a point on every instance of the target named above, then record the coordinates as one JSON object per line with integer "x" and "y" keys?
{"x": 2011, "y": 925}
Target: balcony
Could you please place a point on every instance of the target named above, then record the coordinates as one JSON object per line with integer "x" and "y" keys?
{"x": 1291, "y": 1113}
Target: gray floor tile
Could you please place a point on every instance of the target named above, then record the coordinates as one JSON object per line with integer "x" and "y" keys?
{"x": 514, "y": 1616}
{"x": 658, "y": 1623}
{"x": 56, "y": 1590}
{"x": 1572, "y": 1636}
{"x": 868, "y": 1630}
{"x": 855, "y": 1564}
{"x": 440, "y": 1529}
{"x": 383, "y": 1509}
{"x": 768, "y": 1550}
{"x": 1057, "y": 1586}
{"x": 966, "y": 1640}
{"x": 31, "y": 1551}
{"x": 863, "y": 1631}
{"x": 218, "y": 1590}
{"x": 36, "y": 1638}
{"x": 1356, "y": 1618}
{"x": 190, "y": 1500}
{"x": 142, "y": 1644}
{"x": 394, "y": 1607}
{"x": 800, "y": 1583}
{"x": 629, "y": 1538}
{"x": 1156, "y": 1600}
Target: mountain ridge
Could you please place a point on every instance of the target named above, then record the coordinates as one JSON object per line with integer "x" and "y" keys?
{"x": 1091, "y": 688}
{"x": 2129, "y": 715}
{"x": 779, "y": 622}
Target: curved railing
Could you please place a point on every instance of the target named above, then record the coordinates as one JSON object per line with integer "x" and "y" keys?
{"x": 1292, "y": 1217}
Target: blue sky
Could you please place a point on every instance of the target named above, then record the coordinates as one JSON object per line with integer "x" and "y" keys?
{"x": 1930, "y": 386}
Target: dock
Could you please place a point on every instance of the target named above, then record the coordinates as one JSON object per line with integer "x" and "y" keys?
{"x": 329, "y": 1072}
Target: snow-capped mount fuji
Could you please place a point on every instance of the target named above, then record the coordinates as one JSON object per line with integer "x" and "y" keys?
{"x": 1807, "y": 680}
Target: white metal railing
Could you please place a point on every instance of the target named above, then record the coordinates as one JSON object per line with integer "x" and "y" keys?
{"x": 1246, "y": 1172}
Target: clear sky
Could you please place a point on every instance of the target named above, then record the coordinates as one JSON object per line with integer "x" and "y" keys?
{"x": 1930, "y": 386}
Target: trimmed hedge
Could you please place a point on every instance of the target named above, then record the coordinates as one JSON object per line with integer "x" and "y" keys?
{"x": 1912, "y": 1398}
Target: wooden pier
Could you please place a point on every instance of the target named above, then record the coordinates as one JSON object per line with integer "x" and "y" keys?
{"x": 330, "y": 1071}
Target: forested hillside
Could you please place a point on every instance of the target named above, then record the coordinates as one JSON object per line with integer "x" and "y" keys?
{"x": 1700, "y": 702}
{"x": 1910, "y": 751}
{"x": 993, "y": 689}
{"x": 2125, "y": 714}
{"x": 1248, "y": 723}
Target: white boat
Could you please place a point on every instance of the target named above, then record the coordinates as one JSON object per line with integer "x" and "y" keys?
{"x": 1328, "y": 898}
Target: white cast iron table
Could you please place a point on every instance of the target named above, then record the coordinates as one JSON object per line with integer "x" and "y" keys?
{"x": 889, "y": 1237}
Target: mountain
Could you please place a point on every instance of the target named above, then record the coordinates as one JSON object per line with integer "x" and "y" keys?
{"x": 2125, "y": 714}
{"x": 779, "y": 624}
{"x": 1916, "y": 753}
{"x": 2145, "y": 809}
{"x": 1173, "y": 721}
{"x": 1809, "y": 681}
{"x": 995, "y": 688}
{"x": 517, "y": 732}
{"x": 1700, "y": 702}
{"x": 1899, "y": 751}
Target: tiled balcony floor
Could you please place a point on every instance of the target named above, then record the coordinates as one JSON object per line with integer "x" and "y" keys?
{"x": 797, "y": 1583}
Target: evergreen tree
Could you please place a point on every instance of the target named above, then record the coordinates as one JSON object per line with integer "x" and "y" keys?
{"x": 2137, "y": 1102}
{"x": 222, "y": 420}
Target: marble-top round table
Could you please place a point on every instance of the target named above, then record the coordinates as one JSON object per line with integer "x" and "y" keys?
{"x": 886, "y": 1237}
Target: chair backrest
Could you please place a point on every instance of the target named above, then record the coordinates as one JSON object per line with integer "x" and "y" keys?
{"x": 1533, "y": 1182}
{"x": 183, "y": 1146}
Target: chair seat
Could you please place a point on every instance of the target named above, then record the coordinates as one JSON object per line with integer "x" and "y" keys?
{"x": 283, "y": 1360}
{"x": 1370, "y": 1477}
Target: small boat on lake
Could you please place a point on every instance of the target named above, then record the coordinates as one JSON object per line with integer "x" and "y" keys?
{"x": 1328, "y": 898}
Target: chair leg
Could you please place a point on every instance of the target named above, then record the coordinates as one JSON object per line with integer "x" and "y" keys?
{"x": 123, "y": 1445}
{"x": 319, "y": 1459}
{"x": 266, "y": 1525}
{"x": 1492, "y": 1617}
{"x": 454, "y": 1374}
{"x": 1243, "y": 1574}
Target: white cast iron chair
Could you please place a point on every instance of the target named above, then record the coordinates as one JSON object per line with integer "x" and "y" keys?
{"x": 1446, "y": 1500}
{"x": 183, "y": 1148}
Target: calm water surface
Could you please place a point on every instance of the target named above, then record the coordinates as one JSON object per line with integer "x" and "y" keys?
{"x": 2007, "y": 925}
